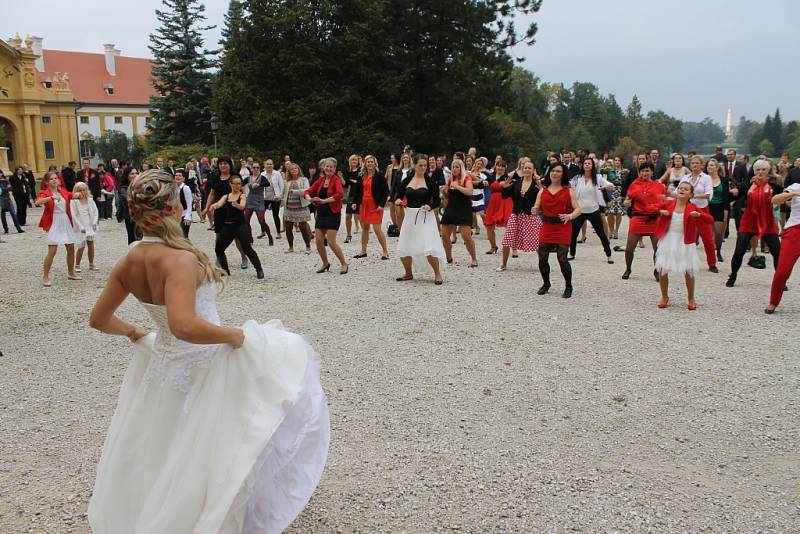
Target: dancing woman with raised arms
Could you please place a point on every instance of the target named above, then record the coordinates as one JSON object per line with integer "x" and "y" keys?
{"x": 217, "y": 429}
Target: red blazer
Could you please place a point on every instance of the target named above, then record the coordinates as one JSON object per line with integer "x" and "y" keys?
{"x": 335, "y": 191}
{"x": 690, "y": 224}
{"x": 49, "y": 207}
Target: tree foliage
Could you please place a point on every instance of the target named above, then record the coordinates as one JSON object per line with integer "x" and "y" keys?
{"x": 181, "y": 75}
{"x": 705, "y": 132}
{"x": 323, "y": 76}
{"x": 114, "y": 144}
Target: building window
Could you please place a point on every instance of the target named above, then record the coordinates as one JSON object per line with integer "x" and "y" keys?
{"x": 49, "y": 150}
{"x": 117, "y": 120}
{"x": 86, "y": 148}
{"x": 46, "y": 119}
{"x": 147, "y": 122}
{"x": 84, "y": 120}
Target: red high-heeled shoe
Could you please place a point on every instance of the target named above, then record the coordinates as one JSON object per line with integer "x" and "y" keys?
{"x": 692, "y": 306}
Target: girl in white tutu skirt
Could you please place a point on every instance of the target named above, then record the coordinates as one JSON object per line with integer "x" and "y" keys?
{"x": 217, "y": 429}
{"x": 677, "y": 232}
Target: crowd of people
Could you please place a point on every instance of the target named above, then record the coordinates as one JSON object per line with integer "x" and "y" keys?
{"x": 544, "y": 207}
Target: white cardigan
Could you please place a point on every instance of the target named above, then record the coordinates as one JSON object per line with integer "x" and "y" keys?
{"x": 80, "y": 222}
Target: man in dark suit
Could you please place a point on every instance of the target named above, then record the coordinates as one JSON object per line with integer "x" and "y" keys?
{"x": 86, "y": 173}
{"x": 572, "y": 167}
{"x": 69, "y": 176}
{"x": 31, "y": 181}
{"x": 736, "y": 172}
{"x": 660, "y": 166}
{"x": 719, "y": 156}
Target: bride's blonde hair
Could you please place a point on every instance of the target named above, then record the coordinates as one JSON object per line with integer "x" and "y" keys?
{"x": 152, "y": 200}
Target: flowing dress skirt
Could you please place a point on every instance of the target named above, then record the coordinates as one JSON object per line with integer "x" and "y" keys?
{"x": 212, "y": 439}
{"x": 673, "y": 256}
{"x": 419, "y": 238}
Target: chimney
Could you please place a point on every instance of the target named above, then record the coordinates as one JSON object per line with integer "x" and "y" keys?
{"x": 110, "y": 64}
{"x": 37, "y": 49}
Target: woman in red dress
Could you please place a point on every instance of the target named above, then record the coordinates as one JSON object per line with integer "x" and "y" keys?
{"x": 500, "y": 208}
{"x": 371, "y": 194}
{"x": 644, "y": 198}
{"x": 557, "y": 206}
{"x": 758, "y": 219}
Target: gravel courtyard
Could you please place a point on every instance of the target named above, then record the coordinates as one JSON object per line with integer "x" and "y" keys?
{"x": 476, "y": 406}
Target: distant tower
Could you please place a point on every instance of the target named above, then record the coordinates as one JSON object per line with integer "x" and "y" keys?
{"x": 729, "y": 125}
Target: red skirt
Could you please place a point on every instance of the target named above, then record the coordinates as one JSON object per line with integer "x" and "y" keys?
{"x": 639, "y": 225}
{"x": 499, "y": 210}
{"x": 370, "y": 214}
{"x": 556, "y": 234}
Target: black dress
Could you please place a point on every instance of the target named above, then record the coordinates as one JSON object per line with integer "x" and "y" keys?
{"x": 326, "y": 219}
{"x": 459, "y": 209}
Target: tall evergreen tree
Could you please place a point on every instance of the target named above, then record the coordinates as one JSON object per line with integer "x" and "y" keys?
{"x": 181, "y": 75}
{"x": 326, "y": 76}
{"x": 776, "y": 133}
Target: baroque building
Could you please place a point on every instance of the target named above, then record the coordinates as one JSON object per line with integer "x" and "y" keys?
{"x": 53, "y": 102}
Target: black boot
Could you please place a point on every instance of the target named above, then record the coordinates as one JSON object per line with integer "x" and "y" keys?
{"x": 567, "y": 292}
{"x": 544, "y": 289}
{"x": 731, "y": 280}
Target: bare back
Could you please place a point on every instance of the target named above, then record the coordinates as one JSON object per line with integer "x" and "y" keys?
{"x": 146, "y": 269}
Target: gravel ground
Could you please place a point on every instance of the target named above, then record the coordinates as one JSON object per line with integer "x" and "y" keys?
{"x": 476, "y": 406}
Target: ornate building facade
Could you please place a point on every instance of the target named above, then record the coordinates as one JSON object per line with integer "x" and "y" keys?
{"x": 53, "y": 102}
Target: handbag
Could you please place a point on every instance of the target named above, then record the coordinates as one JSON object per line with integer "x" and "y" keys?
{"x": 393, "y": 231}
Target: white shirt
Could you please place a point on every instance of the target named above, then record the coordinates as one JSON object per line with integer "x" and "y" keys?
{"x": 589, "y": 197}
{"x": 702, "y": 187}
{"x": 187, "y": 196}
{"x": 794, "y": 218}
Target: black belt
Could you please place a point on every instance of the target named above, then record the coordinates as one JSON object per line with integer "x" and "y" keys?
{"x": 552, "y": 220}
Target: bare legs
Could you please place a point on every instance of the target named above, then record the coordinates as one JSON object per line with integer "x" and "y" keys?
{"x": 719, "y": 237}
{"x": 663, "y": 282}
{"x": 79, "y": 254}
{"x": 320, "y": 236}
{"x": 348, "y": 222}
{"x": 466, "y": 235}
{"x": 490, "y": 233}
{"x": 378, "y": 233}
{"x": 614, "y": 221}
{"x": 408, "y": 263}
{"x": 48, "y": 262}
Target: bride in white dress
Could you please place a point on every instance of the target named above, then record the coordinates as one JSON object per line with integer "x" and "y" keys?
{"x": 217, "y": 429}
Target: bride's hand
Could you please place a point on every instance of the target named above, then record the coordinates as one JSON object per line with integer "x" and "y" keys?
{"x": 238, "y": 338}
{"x": 137, "y": 334}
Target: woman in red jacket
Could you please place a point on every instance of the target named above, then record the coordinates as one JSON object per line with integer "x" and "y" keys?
{"x": 326, "y": 195}
{"x": 676, "y": 230}
{"x": 57, "y": 222}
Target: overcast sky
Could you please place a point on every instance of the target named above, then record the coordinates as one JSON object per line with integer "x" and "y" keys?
{"x": 690, "y": 58}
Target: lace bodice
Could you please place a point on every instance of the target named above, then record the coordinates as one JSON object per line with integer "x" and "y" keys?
{"x": 205, "y": 307}
{"x": 175, "y": 361}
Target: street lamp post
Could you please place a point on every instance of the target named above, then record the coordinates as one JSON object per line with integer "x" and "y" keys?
{"x": 214, "y": 127}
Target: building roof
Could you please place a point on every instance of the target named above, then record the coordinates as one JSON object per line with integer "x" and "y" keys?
{"x": 88, "y": 77}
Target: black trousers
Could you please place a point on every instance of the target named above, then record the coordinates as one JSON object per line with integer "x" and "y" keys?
{"x": 275, "y": 207}
{"x": 226, "y": 234}
{"x": 544, "y": 262}
{"x": 22, "y": 208}
{"x": 743, "y": 245}
{"x": 596, "y": 220}
{"x": 185, "y": 227}
{"x": 134, "y": 234}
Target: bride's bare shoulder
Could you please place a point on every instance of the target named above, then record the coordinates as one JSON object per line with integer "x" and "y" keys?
{"x": 158, "y": 256}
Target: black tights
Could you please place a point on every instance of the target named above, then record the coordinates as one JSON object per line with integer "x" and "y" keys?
{"x": 544, "y": 263}
{"x": 275, "y": 207}
{"x": 743, "y": 244}
{"x": 596, "y": 220}
{"x": 305, "y": 231}
{"x": 226, "y": 236}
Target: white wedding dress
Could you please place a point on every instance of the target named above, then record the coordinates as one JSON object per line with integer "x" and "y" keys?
{"x": 211, "y": 439}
